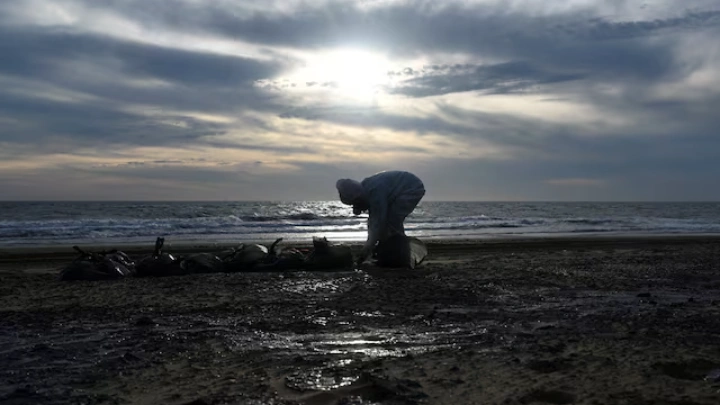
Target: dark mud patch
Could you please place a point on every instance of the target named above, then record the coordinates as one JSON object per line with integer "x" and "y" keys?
{"x": 692, "y": 370}
{"x": 548, "y": 397}
{"x": 549, "y": 366}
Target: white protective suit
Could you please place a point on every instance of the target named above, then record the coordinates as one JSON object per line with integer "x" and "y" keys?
{"x": 391, "y": 197}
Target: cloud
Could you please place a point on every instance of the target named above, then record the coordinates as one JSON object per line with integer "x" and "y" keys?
{"x": 574, "y": 38}
{"x": 601, "y": 29}
{"x": 501, "y": 78}
{"x": 80, "y": 89}
{"x": 576, "y": 182}
{"x": 40, "y": 51}
{"x": 62, "y": 126}
{"x": 484, "y": 99}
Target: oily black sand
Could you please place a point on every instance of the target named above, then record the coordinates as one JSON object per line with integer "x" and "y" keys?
{"x": 587, "y": 321}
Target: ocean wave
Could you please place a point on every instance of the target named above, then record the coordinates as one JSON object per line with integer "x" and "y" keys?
{"x": 121, "y": 221}
{"x": 303, "y": 216}
{"x": 591, "y": 221}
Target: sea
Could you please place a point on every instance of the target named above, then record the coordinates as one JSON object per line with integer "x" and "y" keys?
{"x": 108, "y": 223}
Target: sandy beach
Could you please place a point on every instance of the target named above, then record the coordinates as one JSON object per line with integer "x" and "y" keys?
{"x": 612, "y": 320}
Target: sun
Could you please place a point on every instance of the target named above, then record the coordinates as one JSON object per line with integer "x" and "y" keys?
{"x": 349, "y": 73}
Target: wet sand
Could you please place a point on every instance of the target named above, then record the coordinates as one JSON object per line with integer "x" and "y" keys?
{"x": 564, "y": 321}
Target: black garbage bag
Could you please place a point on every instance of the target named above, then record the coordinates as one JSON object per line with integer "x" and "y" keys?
{"x": 98, "y": 266}
{"x": 202, "y": 263}
{"x": 245, "y": 257}
{"x": 281, "y": 259}
{"x": 258, "y": 258}
{"x": 159, "y": 264}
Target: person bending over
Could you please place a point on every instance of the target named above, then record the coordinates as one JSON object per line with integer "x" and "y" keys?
{"x": 388, "y": 197}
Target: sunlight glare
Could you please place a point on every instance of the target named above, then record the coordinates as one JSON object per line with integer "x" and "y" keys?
{"x": 353, "y": 74}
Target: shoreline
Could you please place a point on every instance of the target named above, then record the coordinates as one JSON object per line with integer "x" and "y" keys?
{"x": 54, "y": 253}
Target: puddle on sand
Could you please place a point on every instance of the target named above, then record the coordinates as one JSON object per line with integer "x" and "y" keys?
{"x": 321, "y": 379}
{"x": 354, "y": 346}
{"x": 305, "y": 286}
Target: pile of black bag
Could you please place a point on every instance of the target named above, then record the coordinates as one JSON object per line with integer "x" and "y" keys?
{"x": 114, "y": 264}
{"x": 398, "y": 252}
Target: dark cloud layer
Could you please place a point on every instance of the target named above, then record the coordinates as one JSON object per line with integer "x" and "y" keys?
{"x": 39, "y": 52}
{"x": 99, "y": 73}
{"x": 501, "y": 78}
{"x": 417, "y": 24}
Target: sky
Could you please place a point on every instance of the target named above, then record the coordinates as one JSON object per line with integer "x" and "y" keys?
{"x": 277, "y": 99}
